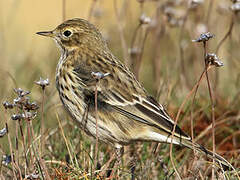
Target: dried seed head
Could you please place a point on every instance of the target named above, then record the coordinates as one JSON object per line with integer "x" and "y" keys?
{"x": 18, "y": 100}
{"x": 99, "y": 75}
{"x": 32, "y": 176}
{"x": 236, "y": 7}
{"x": 31, "y": 106}
{"x": 235, "y": 1}
{"x": 43, "y": 83}
{"x": 16, "y": 117}
{"x": 3, "y": 132}
{"x": 20, "y": 92}
{"x": 29, "y": 115}
{"x": 204, "y": 37}
{"x": 6, "y": 159}
{"x": 134, "y": 51}
{"x": 174, "y": 16}
{"x": 21, "y": 101}
{"x": 145, "y": 19}
{"x": 8, "y": 105}
{"x": 193, "y": 4}
{"x": 26, "y": 115}
{"x": 213, "y": 60}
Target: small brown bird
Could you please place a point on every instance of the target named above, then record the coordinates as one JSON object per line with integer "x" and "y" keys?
{"x": 126, "y": 112}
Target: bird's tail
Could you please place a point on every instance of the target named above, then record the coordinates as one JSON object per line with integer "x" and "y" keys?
{"x": 222, "y": 162}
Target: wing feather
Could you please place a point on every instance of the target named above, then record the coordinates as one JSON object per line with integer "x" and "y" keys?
{"x": 120, "y": 90}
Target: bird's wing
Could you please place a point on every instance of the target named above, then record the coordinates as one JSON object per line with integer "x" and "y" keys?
{"x": 123, "y": 92}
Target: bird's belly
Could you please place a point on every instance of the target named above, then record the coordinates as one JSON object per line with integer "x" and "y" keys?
{"x": 78, "y": 109}
{"x": 109, "y": 128}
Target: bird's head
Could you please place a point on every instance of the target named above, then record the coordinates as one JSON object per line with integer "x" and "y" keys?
{"x": 76, "y": 33}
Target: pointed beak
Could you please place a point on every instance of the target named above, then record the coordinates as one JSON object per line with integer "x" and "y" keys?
{"x": 46, "y": 33}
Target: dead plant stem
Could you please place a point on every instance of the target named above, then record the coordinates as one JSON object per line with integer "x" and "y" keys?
{"x": 96, "y": 116}
{"x": 177, "y": 117}
{"x": 42, "y": 124}
{"x": 91, "y": 9}
{"x": 11, "y": 151}
{"x": 212, "y": 108}
{"x": 120, "y": 29}
{"x": 63, "y": 10}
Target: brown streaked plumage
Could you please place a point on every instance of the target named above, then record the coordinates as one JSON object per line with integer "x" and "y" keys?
{"x": 126, "y": 112}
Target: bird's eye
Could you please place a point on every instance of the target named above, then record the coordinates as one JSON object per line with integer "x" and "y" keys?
{"x": 67, "y": 33}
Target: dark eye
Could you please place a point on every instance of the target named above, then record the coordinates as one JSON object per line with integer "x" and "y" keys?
{"x": 67, "y": 33}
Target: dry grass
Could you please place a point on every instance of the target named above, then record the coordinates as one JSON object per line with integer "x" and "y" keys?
{"x": 156, "y": 42}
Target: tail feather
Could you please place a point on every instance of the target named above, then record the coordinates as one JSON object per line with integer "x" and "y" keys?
{"x": 222, "y": 162}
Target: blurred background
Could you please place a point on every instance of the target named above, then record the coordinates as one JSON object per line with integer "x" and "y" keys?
{"x": 153, "y": 37}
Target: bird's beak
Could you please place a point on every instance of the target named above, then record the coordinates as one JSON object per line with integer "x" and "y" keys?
{"x": 46, "y": 33}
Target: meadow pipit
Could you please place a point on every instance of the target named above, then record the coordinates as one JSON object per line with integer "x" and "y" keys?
{"x": 126, "y": 112}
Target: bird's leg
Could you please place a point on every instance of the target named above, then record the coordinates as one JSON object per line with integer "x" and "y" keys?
{"x": 133, "y": 167}
{"x": 133, "y": 161}
{"x": 119, "y": 153}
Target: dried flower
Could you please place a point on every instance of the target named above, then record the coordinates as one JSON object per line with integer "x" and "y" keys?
{"x": 213, "y": 60}
{"x": 21, "y": 93}
{"x": 204, "y": 37}
{"x": 134, "y": 51}
{"x": 16, "y": 117}
{"x": 193, "y": 4}
{"x": 31, "y": 106}
{"x": 42, "y": 82}
{"x": 8, "y": 105}
{"x": 174, "y": 16}
{"x": 32, "y": 176}
{"x": 99, "y": 75}
{"x": 26, "y": 115}
{"x": 6, "y": 159}
{"x": 235, "y": 7}
{"x": 20, "y": 100}
{"x": 29, "y": 115}
{"x": 145, "y": 19}
{"x": 3, "y": 132}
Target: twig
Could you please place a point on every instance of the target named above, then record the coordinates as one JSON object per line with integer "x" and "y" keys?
{"x": 64, "y": 137}
{"x": 212, "y": 108}
{"x": 120, "y": 29}
{"x": 23, "y": 140}
{"x": 229, "y": 32}
{"x": 177, "y": 117}
{"x": 96, "y": 116}
{"x": 91, "y": 9}
{"x": 63, "y": 10}
{"x": 97, "y": 76}
{"x": 139, "y": 57}
{"x": 105, "y": 166}
{"x": 191, "y": 117}
{"x": 39, "y": 163}
{"x": 42, "y": 123}
{"x": 158, "y": 33}
{"x": 209, "y": 11}
{"x": 181, "y": 51}
{"x": 29, "y": 139}
{"x": 11, "y": 152}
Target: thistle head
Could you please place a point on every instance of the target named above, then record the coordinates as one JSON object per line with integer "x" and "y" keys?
{"x": 76, "y": 33}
